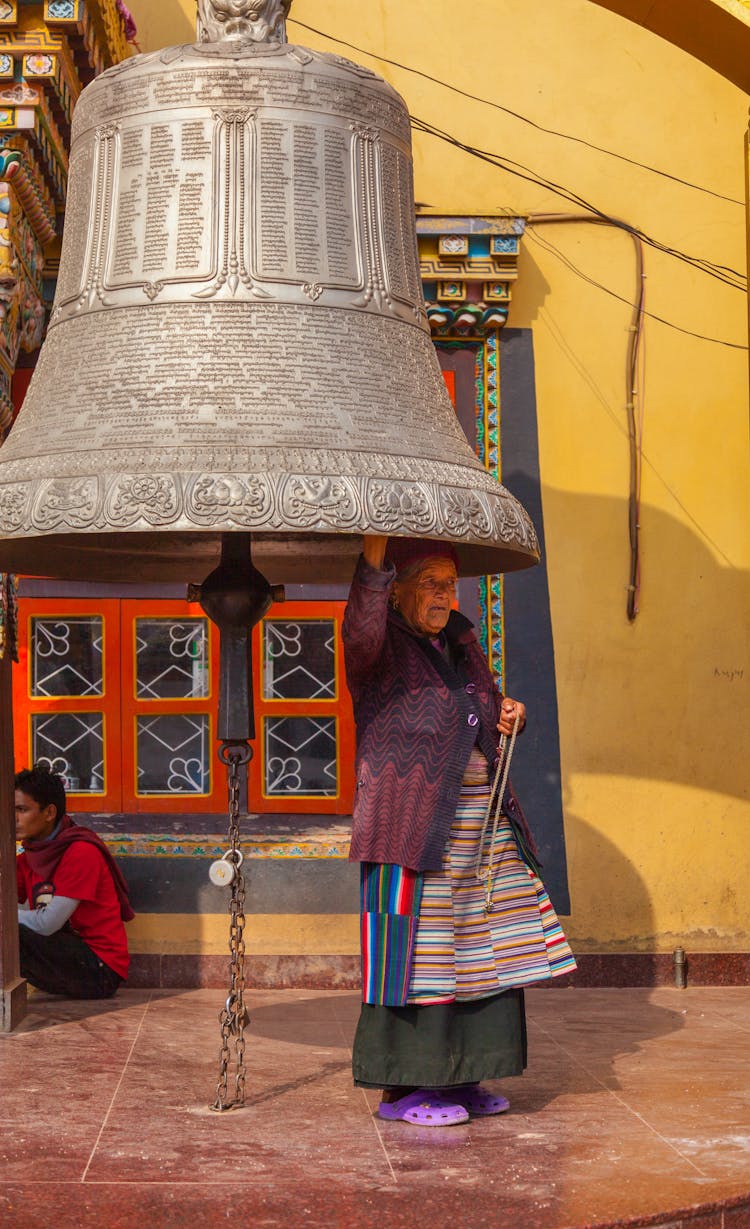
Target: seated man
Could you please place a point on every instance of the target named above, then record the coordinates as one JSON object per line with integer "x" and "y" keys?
{"x": 72, "y": 897}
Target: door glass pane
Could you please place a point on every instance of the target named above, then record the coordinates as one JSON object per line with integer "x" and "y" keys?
{"x": 173, "y": 754}
{"x": 171, "y": 659}
{"x": 73, "y": 745}
{"x": 299, "y": 660}
{"x": 66, "y": 656}
{"x": 300, "y": 756}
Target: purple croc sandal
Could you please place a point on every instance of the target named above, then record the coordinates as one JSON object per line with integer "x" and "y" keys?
{"x": 424, "y": 1108}
{"x": 480, "y": 1101}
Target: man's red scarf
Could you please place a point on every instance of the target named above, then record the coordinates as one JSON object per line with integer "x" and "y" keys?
{"x": 43, "y": 858}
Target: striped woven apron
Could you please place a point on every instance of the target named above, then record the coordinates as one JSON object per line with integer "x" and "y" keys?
{"x": 427, "y": 938}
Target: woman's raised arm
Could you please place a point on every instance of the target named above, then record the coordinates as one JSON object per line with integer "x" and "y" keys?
{"x": 373, "y": 549}
{"x": 367, "y": 610}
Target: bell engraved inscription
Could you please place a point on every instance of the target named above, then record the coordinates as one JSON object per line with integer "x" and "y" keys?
{"x": 238, "y": 340}
{"x": 261, "y": 196}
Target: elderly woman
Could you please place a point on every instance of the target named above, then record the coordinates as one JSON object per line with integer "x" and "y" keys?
{"x": 451, "y": 932}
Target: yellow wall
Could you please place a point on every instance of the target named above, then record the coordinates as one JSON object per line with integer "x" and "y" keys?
{"x": 654, "y": 715}
{"x": 716, "y": 31}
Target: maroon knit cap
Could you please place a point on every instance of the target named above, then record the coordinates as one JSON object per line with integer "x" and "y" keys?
{"x": 404, "y": 552}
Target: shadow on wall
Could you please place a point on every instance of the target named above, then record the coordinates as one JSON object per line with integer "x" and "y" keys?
{"x": 666, "y": 697}
{"x": 662, "y": 700}
{"x": 616, "y": 890}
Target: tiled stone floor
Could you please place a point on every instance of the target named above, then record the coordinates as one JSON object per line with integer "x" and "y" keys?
{"x": 635, "y": 1109}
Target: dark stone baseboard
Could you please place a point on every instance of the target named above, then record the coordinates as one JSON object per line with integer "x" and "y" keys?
{"x": 622, "y": 969}
{"x": 263, "y": 972}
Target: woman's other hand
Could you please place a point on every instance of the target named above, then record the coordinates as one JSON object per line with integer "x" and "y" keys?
{"x": 373, "y": 549}
{"x": 511, "y": 708}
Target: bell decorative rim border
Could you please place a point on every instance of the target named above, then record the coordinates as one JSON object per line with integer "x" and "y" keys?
{"x": 264, "y": 503}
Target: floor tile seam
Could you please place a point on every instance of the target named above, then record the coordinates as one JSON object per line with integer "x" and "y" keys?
{"x": 141, "y": 1022}
{"x": 744, "y": 1028}
{"x": 673, "y": 1147}
{"x": 376, "y": 1127}
{"x": 144, "y": 1183}
{"x": 344, "y": 1041}
{"x": 611, "y": 1092}
{"x": 375, "y": 1123}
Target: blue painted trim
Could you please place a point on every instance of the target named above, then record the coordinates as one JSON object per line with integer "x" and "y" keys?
{"x": 529, "y": 648}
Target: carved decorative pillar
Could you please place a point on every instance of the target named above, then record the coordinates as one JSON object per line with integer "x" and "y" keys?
{"x": 12, "y": 986}
{"x": 468, "y": 266}
{"x": 46, "y": 58}
{"x": 22, "y": 310}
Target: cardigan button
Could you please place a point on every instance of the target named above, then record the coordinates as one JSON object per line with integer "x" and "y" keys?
{"x": 472, "y": 719}
{"x": 470, "y": 688}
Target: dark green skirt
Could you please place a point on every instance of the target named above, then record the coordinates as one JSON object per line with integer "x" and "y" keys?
{"x": 442, "y": 1045}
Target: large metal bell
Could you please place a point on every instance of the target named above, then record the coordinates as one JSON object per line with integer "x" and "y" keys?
{"x": 238, "y": 341}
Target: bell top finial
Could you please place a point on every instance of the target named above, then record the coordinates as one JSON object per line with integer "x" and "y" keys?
{"x": 262, "y": 21}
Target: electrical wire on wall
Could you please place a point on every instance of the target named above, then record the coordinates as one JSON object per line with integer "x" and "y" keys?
{"x": 592, "y": 215}
{"x": 732, "y": 277}
{"x": 723, "y": 273}
{"x": 634, "y": 389}
{"x": 591, "y": 281}
{"x": 517, "y": 115}
{"x": 635, "y": 358}
{"x": 634, "y": 394}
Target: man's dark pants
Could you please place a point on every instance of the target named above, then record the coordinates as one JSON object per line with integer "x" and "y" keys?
{"x": 63, "y": 964}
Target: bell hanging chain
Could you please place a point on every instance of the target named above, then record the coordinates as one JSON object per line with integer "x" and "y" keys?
{"x": 233, "y": 1017}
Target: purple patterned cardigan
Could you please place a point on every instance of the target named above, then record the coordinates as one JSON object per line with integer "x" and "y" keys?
{"x": 417, "y": 720}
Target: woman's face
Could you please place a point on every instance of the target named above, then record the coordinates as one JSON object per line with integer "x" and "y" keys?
{"x": 425, "y": 597}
